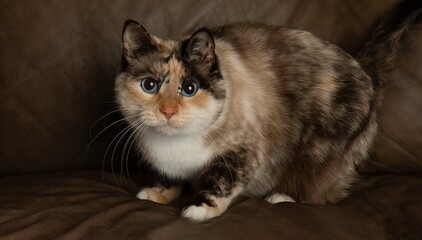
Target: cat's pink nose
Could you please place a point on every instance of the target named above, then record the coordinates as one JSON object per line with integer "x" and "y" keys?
{"x": 168, "y": 111}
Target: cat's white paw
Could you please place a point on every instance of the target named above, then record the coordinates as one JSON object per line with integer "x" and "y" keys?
{"x": 279, "y": 197}
{"x": 159, "y": 194}
{"x": 150, "y": 194}
{"x": 201, "y": 213}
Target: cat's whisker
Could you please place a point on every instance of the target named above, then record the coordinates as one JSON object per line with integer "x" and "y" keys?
{"x": 102, "y": 131}
{"x": 126, "y": 130}
{"x": 132, "y": 140}
{"x": 125, "y": 161}
{"x": 106, "y": 152}
{"x": 114, "y": 110}
{"x": 109, "y": 146}
{"x": 140, "y": 153}
{"x": 125, "y": 155}
{"x": 138, "y": 129}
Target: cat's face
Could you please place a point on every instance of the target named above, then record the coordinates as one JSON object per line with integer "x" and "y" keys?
{"x": 172, "y": 87}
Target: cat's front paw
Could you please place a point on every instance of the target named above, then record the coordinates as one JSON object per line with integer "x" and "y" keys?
{"x": 159, "y": 194}
{"x": 150, "y": 194}
{"x": 201, "y": 213}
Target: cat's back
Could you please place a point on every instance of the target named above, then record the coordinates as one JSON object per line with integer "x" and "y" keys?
{"x": 310, "y": 77}
{"x": 296, "y": 59}
{"x": 249, "y": 37}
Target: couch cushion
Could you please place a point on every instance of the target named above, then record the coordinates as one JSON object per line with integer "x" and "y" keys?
{"x": 87, "y": 205}
{"x": 399, "y": 144}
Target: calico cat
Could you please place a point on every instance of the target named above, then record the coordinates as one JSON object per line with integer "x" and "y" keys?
{"x": 253, "y": 109}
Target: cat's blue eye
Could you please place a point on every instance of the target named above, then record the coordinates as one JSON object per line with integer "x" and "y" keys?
{"x": 149, "y": 85}
{"x": 189, "y": 89}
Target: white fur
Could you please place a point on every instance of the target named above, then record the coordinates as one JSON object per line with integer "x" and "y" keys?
{"x": 279, "y": 197}
{"x": 150, "y": 194}
{"x": 177, "y": 156}
{"x": 205, "y": 212}
{"x": 158, "y": 195}
{"x": 201, "y": 213}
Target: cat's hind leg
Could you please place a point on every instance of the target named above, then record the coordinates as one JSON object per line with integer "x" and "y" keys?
{"x": 159, "y": 194}
{"x": 279, "y": 197}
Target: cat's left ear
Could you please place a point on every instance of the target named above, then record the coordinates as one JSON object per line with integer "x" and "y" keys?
{"x": 136, "y": 40}
{"x": 200, "y": 48}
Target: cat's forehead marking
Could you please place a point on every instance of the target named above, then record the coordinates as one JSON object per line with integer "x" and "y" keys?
{"x": 160, "y": 68}
{"x": 170, "y": 70}
{"x": 175, "y": 69}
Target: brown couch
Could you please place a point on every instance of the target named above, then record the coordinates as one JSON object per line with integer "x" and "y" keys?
{"x": 57, "y": 67}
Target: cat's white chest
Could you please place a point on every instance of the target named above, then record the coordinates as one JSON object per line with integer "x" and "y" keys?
{"x": 176, "y": 156}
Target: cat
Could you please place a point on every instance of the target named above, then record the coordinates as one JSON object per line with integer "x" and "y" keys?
{"x": 253, "y": 109}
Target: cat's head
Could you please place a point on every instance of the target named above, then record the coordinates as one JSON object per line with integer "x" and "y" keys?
{"x": 171, "y": 86}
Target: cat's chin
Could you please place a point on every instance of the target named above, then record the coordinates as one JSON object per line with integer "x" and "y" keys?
{"x": 167, "y": 130}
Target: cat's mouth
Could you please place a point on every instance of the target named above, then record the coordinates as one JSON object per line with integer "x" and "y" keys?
{"x": 167, "y": 130}
{"x": 170, "y": 126}
{"x": 166, "y": 127}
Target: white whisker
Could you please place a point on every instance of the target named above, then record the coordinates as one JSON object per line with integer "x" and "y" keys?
{"x": 108, "y": 114}
{"x": 125, "y": 153}
{"x": 101, "y": 132}
{"x": 123, "y": 132}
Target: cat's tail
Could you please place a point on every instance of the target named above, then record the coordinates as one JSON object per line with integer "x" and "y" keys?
{"x": 389, "y": 40}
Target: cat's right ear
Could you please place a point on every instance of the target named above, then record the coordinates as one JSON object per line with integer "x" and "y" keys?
{"x": 200, "y": 49}
{"x": 136, "y": 40}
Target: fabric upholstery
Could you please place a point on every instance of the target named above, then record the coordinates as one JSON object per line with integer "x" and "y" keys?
{"x": 398, "y": 148}
{"x": 80, "y": 205}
